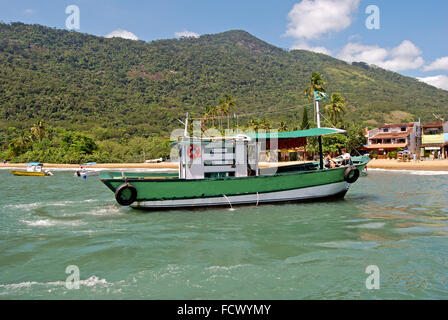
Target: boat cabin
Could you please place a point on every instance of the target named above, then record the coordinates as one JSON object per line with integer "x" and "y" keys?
{"x": 238, "y": 156}
{"x": 217, "y": 157}
{"x": 34, "y": 167}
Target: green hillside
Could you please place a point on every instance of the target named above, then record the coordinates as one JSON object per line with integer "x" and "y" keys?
{"x": 124, "y": 88}
{"x": 78, "y": 78}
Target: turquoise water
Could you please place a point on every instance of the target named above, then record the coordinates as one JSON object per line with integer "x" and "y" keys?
{"x": 396, "y": 221}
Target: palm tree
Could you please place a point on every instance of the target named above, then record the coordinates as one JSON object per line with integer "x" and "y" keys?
{"x": 283, "y": 126}
{"x": 336, "y": 108}
{"x": 20, "y": 144}
{"x": 39, "y": 130}
{"x": 253, "y": 124}
{"x": 265, "y": 124}
{"x": 225, "y": 106}
{"x": 210, "y": 114}
{"x": 316, "y": 84}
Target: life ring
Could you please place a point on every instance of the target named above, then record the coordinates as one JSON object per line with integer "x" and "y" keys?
{"x": 126, "y": 194}
{"x": 193, "y": 151}
{"x": 351, "y": 174}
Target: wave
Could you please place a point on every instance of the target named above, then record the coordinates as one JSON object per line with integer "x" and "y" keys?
{"x": 104, "y": 211}
{"x": 371, "y": 225}
{"x": 226, "y": 268}
{"x": 29, "y": 206}
{"x": 38, "y": 223}
{"x": 50, "y": 223}
{"x": 348, "y": 244}
{"x": 90, "y": 282}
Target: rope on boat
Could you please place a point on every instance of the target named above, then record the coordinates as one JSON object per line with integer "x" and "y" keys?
{"x": 231, "y": 208}
{"x": 331, "y": 123}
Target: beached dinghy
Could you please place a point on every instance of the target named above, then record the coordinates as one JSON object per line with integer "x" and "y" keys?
{"x": 224, "y": 171}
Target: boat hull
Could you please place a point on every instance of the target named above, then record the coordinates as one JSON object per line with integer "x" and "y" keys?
{"x": 165, "y": 191}
{"x": 328, "y": 191}
{"x": 28, "y": 173}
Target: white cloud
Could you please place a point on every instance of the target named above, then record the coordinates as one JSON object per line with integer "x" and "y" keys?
{"x": 439, "y": 64}
{"x": 439, "y": 81}
{"x": 304, "y": 46}
{"x": 29, "y": 11}
{"x": 405, "y": 56}
{"x": 359, "y": 52}
{"x": 186, "y": 34}
{"x": 311, "y": 19}
{"x": 122, "y": 34}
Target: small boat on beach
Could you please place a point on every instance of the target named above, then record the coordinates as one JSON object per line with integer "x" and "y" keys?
{"x": 33, "y": 169}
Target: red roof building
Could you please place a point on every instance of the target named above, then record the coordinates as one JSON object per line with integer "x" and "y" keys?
{"x": 394, "y": 136}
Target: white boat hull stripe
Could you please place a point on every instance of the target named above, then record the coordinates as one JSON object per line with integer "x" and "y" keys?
{"x": 322, "y": 191}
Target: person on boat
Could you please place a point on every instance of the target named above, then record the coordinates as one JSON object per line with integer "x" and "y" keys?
{"x": 328, "y": 161}
{"x": 346, "y": 158}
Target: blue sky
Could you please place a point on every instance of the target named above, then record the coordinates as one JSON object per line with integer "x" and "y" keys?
{"x": 411, "y": 39}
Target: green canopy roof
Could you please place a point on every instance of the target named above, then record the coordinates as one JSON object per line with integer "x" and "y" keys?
{"x": 314, "y": 132}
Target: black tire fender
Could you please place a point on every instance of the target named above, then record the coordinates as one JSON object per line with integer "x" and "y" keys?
{"x": 351, "y": 174}
{"x": 120, "y": 197}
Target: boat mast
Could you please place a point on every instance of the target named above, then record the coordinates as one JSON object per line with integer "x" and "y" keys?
{"x": 186, "y": 125}
{"x": 319, "y": 138}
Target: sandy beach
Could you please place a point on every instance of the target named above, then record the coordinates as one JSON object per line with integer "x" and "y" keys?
{"x": 427, "y": 165}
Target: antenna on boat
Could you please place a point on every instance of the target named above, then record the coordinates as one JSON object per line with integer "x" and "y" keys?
{"x": 318, "y": 113}
{"x": 185, "y": 124}
{"x": 318, "y": 96}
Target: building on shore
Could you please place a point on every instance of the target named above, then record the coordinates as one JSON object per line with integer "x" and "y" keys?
{"x": 435, "y": 140}
{"x": 394, "y": 137}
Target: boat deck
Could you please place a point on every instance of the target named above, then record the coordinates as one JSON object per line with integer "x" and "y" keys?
{"x": 139, "y": 175}
{"x": 303, "y": 167}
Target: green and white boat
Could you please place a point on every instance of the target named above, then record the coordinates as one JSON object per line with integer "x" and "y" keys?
{"x": 224, "y": 171}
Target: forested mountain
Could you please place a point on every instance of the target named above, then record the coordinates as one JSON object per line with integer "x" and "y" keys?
{"x": 82, "y": 81}
{"x": 72, "y": 97}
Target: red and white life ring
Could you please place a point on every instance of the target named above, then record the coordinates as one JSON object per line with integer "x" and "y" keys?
{"x": 193, "y": 151}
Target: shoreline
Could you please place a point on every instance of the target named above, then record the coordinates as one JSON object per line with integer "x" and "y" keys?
{"x": 160, "y": 165}
{"x": 427, "y": 165}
